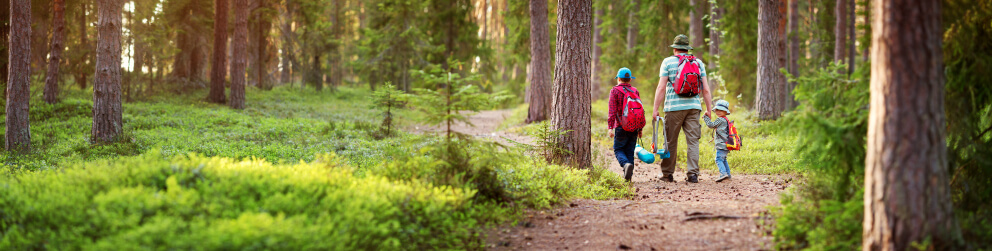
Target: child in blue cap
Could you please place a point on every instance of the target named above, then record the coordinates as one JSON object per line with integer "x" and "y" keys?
{"x": 721, "y": 125}
{"x": 626, "y": 119}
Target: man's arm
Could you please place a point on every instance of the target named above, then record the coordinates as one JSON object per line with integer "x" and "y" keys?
{"x": 707, "y": 96}
{"x": 659, "y": 96}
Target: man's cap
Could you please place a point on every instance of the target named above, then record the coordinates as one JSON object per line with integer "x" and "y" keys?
{"x": 722, "y": 105}
{"x": 624, "y": 73}
{"x": 681, "y": 42}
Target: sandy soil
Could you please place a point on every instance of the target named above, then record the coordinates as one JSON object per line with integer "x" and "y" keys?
{"x": 662, "y": 215}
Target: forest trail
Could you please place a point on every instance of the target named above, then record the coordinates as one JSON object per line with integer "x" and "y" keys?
{"x": 653, "y": 219}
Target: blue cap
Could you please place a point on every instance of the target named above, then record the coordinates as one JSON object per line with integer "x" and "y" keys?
{"x": 625, "y": 73}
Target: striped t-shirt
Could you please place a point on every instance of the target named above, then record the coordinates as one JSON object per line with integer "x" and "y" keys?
{"x": 670, "y": 70}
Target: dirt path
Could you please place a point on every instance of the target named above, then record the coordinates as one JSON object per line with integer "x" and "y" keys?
{"x": 654, "y": 219}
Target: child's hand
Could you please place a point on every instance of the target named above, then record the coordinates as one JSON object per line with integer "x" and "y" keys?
{"x": 707, "y": 113}
{"x": 610, "y": 133}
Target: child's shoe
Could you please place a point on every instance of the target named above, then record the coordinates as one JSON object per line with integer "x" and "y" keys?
{"x": 628, "y": 171}
{"x": 722, "y": 177}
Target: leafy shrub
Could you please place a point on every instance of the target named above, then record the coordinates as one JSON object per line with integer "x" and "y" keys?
{"x": 201, "y": 203}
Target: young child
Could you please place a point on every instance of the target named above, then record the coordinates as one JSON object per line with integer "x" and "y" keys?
{"x": 625, "y": 141}
{"x": 722, "y": 108}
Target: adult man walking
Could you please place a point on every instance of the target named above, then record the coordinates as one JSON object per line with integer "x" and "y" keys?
{"x": 681, "y": 112}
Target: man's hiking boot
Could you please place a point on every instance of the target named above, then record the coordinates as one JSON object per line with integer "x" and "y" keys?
{"x": 628, "y": 171}
{"x": 692, "y": 178}
{"x": 668, "y": 178}
{"x": 722, "y": 177}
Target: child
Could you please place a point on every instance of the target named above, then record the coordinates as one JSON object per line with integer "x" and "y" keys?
{"x": 722, "y": 108}
{"x": 626, "y": 119}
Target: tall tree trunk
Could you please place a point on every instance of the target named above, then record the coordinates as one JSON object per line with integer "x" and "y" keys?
{"x": 218, "y": 69}
{"x": 287, "y": 42}
{"x": 715, "y": 39}
{"x": 597, "y": 52}
{"x": 107, "y": 113}
{"x": 907, "y": 195}
{"x": 4, "y": 39}
{"x": 840, "y": 31}
{"x": 852, "y": 36}
{"x": 80, "y": 78}
{"x": 632, "y": 26}
{"x": 55, "y": 53}
{"x": 571, "y": 109}
{"x": 18, "y": 129}
{"x": 696, "y": 10}
{"x": 260, "y": 24}
{"x": 539, "y": 95}
{"x": 771, "y": 51}
{"x": 240, "y": 59}
{"x": 794, "y": 53}
{"x": 485, "y": 20}
{"x": 867, "y": 21}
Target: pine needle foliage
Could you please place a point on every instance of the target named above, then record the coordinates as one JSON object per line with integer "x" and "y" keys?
{"x": 452, "y": 100}
{"x": 386, "y": 100}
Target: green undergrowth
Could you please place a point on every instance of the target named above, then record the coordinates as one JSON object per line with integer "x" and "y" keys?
{"x": 295, "y": 170}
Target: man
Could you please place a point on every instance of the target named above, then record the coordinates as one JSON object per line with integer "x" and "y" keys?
{"x": 681, "y": 112}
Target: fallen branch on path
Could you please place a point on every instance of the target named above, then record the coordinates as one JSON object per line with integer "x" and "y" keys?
{"x": 712, "y": 217}
{"x": 708, "y": 216}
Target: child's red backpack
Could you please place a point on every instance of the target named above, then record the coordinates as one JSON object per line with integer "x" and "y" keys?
{"x": 733, "y": 140}
{"x": 632, "y": 118}
{"x": 688, "y": 82}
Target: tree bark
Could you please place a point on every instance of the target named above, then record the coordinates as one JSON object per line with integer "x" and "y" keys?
{"x": 259, "y": 26}
{"x": 240, "y": 59}
{"x": 4, "y": 40}
{"x": 852, "y": 37}
{"x": 107, "y": 112}
{"x": 840, "y": 31}
{"x": 771, "y": 52}
{"x": 571, "y": 109}
{"x": 794, "y": 53}
{"x": 907, "y": 195}
{"x": 597, "y": 52}
{"x": 218, "y": 69}
{"x": 632, "y": 26}
{"x": 51, "y": 95}
{"x": 18, "y": 129}
{"x": 287, "y": 42}
{"x": 80, "y": 76}
{"x": 696, "y": 10}
{"x": 539, "y": 96}
{"x": 715, "y": 38}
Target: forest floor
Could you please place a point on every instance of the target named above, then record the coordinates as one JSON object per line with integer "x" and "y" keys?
{"x": 661, "y": 216}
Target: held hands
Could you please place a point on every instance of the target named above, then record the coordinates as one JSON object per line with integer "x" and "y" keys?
{"x": 707, "y": 113}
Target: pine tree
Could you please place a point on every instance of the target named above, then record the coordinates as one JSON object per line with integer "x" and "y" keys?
{"x": 18, "y": 129}
{"x": 570, "y": 109}
{"x": 771, "y": 54}
{"x": 539, "y": 96}
{"x": 218, "y": 69}
{"x": 907, "y": 194}
{"x": 55, "y": 53}
{"x": 107, "y": 111}
{"x": 239, "y": 60}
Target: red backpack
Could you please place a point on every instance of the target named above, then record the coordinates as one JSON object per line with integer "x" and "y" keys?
{"x": 632, "y": 118}
{"x": 733, "y": 139}
{"x": 687, "y": 82}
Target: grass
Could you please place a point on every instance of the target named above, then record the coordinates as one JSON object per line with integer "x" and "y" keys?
{"x": 295, "y": 170}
